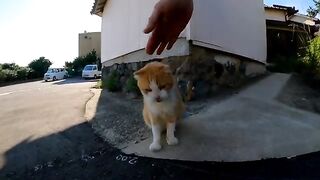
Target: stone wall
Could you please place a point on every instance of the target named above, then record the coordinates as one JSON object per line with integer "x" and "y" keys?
{"x": 199, "y": 74}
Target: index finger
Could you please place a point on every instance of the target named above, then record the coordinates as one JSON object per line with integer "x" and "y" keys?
{"x": 153, "y": 20}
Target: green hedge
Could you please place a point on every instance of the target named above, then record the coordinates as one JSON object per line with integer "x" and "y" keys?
{"x": 311, "y": 63}
{"x": 131, "y": 85}
{"x": 112, "y": 82}
{"x": 10, "y": 74}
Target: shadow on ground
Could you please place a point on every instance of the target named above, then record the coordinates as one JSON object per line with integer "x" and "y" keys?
{"x": 77, "y": 153}
{"x": 298, "y": 94}
{"x": 3, "y": 84}
{"x": 52, "y": 151}
{"x": 74, "y": 80}
{"x": 245, "y": 126}
{"x": 118, "y": 116}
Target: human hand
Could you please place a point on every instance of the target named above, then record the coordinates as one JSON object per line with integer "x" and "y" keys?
{"x": 167, "y": 21}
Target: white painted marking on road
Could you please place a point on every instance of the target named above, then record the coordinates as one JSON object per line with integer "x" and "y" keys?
{"x": 3, "y": 94}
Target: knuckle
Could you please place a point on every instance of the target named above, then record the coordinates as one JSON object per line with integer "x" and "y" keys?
{"x": 157, "y": 6}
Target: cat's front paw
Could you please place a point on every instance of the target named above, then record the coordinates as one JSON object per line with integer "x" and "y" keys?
{"x": 172, "y": 141}
{"x": 155, "y": 146}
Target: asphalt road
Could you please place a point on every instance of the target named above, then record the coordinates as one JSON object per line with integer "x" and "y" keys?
{"x": 43, "y": 135}
{"x": 33, "y": 111}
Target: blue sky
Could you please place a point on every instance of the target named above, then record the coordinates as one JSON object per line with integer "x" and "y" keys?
{"x": 302, "y": 5}
{"x": 33, "y": 28}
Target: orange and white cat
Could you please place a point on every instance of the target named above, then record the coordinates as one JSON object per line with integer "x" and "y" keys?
{"x": 163, "y": 105}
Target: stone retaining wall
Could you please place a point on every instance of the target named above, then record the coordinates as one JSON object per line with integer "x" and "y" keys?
{"x": 199, "y": 74}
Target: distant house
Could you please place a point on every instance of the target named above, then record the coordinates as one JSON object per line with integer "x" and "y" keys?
{"x": 288, "y": 31}
{"x": 89, "y": 41}
{"x": 228, "y": 37}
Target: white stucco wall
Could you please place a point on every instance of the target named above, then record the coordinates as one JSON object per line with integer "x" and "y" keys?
{"x": 303, "y": 20}
{"x": 233, "y": 26}
{"x": 122, "y": 25}
{"x": 123, "y": 22}
{"x": 275, "y": 14}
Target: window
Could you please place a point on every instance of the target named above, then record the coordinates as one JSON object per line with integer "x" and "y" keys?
{"x": 88, "y": 68}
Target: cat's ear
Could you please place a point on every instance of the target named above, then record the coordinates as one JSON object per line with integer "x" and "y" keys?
{"x": 138, "y": 73}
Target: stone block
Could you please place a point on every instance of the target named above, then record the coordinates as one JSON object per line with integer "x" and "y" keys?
{"x": 254, "y": 69}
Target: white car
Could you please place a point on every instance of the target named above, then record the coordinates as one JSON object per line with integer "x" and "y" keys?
{"x": 91, "y": 71}
{"x": 55, "y": 74}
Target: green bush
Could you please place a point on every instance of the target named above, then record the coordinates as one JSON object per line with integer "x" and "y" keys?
{"x": 285, "y": 64}
{"x": 311, "y": 63}
{"x": 10, "y": 72}
{"x": 312, "y": 58}
{"x": 112, "y": 82}
{"x": 131, "y": 85}
{"x": 99, "y": 85}
{"x": 9, "y": 75}
{"x": 2, "y": 76}
{"x": 13, "y": 72}
{"x": 22, "y": 73}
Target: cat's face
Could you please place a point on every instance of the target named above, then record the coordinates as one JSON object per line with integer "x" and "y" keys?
{"x": 155, "y": 81}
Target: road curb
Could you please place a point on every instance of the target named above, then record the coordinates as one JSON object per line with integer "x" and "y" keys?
{"x": 91, "y": 105}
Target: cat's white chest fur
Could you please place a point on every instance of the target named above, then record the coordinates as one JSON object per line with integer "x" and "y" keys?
{"x": 166, "y": 107}
{"x": 163, "y": 108}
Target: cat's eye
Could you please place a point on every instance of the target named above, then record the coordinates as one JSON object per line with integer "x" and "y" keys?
{"x": 162, "y": 87}
{"x": 148, "y": 90}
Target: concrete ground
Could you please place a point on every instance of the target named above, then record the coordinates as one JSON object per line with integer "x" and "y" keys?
{"x": 60, "y": 144}
{"x": 31, "y": 112}
{"x": 251, "y": 125}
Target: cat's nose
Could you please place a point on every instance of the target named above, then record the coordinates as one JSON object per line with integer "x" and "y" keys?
{"x": 158, "y": 99}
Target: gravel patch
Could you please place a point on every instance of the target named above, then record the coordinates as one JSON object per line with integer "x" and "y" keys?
{"x": 119, "y": 118}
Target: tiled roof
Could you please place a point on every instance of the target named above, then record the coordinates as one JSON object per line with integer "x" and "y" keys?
{"x": 272, "y": 7}
{"x": 98, "y": 7}
{"x": 292, "y": 9}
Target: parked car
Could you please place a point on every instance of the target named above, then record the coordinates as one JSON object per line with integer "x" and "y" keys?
{"x": 55, "y": 74}
{"x": 91, "y": 71}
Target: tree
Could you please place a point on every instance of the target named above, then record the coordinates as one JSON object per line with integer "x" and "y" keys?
{"x": 313, "y": 11}
{"x": 79, "y": 63}
{"x": 92, "y": 58}
{"x": 39, "y": 66}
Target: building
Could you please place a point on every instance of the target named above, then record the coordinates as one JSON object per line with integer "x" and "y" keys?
{"x": 288, "y": 31}
{"x": 227, "y": 37}
{"x": 89, "y": 41}
{"x": 213, "y": 25}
